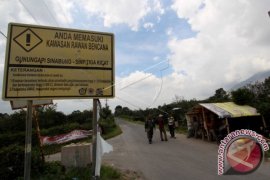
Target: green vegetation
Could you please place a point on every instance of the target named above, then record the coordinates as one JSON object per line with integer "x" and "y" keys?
{"x": 138, "y": 116}
{"x": 267, "y": 154}
{"x": 115, "y": 132}
{"x": 51, "y": 122}
{"x": 55, "y": 170}
{"x": 256, "y": 95}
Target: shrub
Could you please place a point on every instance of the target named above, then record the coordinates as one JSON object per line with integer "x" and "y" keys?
{"x": 16, "y": 138}
{"x": 12, "y": 162}
{"x": 107, "y": 125}
{"x": 12, "y": 158}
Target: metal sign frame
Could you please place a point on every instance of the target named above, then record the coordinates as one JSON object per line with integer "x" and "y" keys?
{"x": 19, "y": 104}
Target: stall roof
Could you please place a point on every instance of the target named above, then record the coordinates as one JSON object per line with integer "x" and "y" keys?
{"x": 230, "y": 109}
{"x": 215, "y": 109}
{"x": 237, "y": 110}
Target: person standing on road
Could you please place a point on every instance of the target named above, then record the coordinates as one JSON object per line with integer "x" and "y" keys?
{"x": 171, "y": 125}
{"x": 149, "y": 128}
{"x": 161, "y": 126}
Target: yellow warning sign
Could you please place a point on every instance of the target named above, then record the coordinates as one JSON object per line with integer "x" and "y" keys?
{"x": 57, "y": 63}
{"x": 28, "y": 40}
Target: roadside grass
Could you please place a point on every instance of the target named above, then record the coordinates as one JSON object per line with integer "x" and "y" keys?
{"x": 54, "y": 170}
{"x": 131, "y": 119}
{"x": 181, "y": 130}
{"x": 267, "y": 154}
{"x": 136, "y": 122}
{"x": 115, "y": 132}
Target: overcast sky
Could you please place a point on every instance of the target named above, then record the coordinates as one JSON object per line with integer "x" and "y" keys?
{"x": 185, "y": 48}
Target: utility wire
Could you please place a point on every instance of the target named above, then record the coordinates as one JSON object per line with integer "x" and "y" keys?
{"x": 154, "y": 99}
{"x": 142, "y": 79}
{"x": 128, "y": 102}
{"x": 133, "y": 98}
{"x": 150, "y": 67}
{"x": 138, "y": 106}
{"x": 28, "y": 11}
{"x": 157, "y": 95}
{"x": 3, "y": 34}
{"x": 64, "y": 13}
{"x": 51, "y": 14}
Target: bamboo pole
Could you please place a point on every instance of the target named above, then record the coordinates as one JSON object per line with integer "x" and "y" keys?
{"x": 264, "y": 123}
{"x": 227, "y": 125}
{"x": 35, "y": 116}
{"x": 205, "y": 125}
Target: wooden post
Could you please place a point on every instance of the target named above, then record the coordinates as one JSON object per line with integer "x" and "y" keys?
{"x": 35, "y": 116}
{"x": 94, "y": 139}
{"x": 264, "y": 123}
{"x": 28, "y": 141}
{"x": 205, "y": 125}
{"x": 228, "y": 126}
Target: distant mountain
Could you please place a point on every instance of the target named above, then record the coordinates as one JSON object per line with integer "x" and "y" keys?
{"x": 258, "y": 77}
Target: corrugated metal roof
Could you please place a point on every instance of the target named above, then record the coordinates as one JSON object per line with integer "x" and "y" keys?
{"x": 237, "y": 110}
{"x": 215, "y": 109}
{"x": 230, "y": 109}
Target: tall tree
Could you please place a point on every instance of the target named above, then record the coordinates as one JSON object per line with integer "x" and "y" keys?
{"x": 220, "y": 96}
{"x": 118, "y": 110}
{"x": 243, "y": 96}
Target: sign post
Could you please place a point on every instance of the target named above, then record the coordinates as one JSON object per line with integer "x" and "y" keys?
{"x": 94, "y": 138}
{"x": 57, "y": 63}
{"x": 28, "y": 141}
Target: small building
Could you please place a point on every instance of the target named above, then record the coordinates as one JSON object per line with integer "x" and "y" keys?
{"x": 215, "y": 120}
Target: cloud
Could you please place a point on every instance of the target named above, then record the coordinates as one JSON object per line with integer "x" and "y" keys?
{"x": 148, "y": 25}
{"x": 4, "y": 105}
{"x": 122, "y": 11}
{"x": 232, "y": 43}
{"x": 138, "y": 89}
{"x": 12, "y": 11}
{"x": 156, "y": 58}
{"x": 62, "y": 10}
{"x": 117, "y": 12}
{"x": 157, "y": 7}
{"x": 186, "y": 9}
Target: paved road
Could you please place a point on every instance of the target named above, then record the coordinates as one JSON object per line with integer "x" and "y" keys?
{"x": 177, "y": 159}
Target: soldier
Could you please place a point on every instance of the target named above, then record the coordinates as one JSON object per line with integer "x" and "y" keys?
{"x": 171, "y": 124}
{"x": 162, "y": 131}
{"x": 149, "y": 128}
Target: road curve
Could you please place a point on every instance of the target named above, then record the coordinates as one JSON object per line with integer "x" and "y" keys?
{"x": 177, "y": 159}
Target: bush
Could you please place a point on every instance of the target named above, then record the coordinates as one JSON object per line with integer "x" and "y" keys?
{"x": 107, "y": 125}
{"x": 16, "y": 138}
{"x": 12, "y": 159}
{"x": 51, "y": 170}
{"x": 109, "y": 172}
{"x": 12, "y": 162}
{"x": 55, "y": 170}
